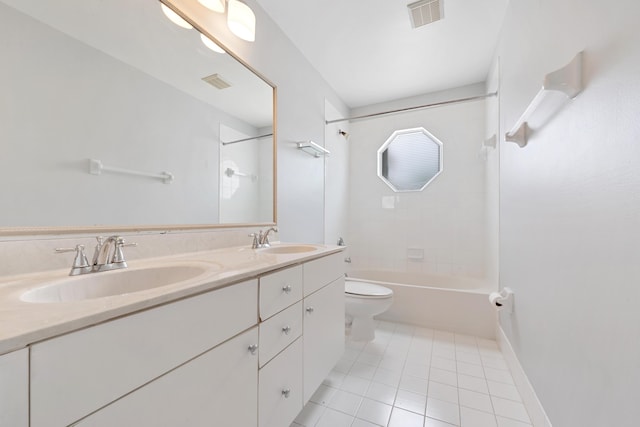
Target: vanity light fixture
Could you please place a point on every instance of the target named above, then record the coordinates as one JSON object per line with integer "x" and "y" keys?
{"x": 211, "y": 44}
{"x": 214, "y": 5}
{"x": 241, "y": 20}
{"x": 175, "y": 18}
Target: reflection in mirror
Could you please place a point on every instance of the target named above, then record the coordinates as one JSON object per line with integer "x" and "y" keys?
{"x": 116, "y": 84}
{"x": 410, "y": 159}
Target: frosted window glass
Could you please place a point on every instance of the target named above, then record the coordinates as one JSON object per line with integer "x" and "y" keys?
{"x": 410, "y": 159}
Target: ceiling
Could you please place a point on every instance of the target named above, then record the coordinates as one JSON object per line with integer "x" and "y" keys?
{"x": 369, "y": 53}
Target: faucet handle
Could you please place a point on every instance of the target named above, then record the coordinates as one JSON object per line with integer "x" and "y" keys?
{"x": 80, "y": 262}
{"x": 254, "y": 244}
{"x": 118, "y": 255}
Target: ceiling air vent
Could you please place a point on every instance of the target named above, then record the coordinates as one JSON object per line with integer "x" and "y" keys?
{"x": 217, "y": 81}
{"x": 425, "y": 12}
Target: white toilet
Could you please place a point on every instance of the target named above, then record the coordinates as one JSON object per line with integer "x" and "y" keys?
{"x": 363, "y": 300}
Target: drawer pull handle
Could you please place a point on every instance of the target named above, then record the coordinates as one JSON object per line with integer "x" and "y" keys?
{"x": 286, "y": 330}
{"x": 286, "y": 392}
{"x": 253, "y": 348}
{"x": 310, "y": 310}
{"x": 286, "y": 289}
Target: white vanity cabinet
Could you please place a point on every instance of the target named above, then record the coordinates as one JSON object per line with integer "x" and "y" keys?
{"x": 323, "y": 319}
{"x": 75, "y": 374}
{"x": 249, "y": 354}
{"x": 218, "y": 388}
{"x": 14, "y": 389}
{"x": 291, "y": 372}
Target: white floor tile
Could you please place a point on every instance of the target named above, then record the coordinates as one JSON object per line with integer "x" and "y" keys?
{"x": 431, "y": 422}
{"x": 473, "y": 383}
{"x": 470, "y": 369}
{"x": 443, "y": 411}
{"x": 345, "y": 402}
{"x": 332, "y": 418}
{"x": 414, "y": 384}
{"x": 334, "y": 379}
{"x": 385, "y": 376}
{"x": 402, "y": 418}
{"x": 355, "y": 385}
{"x": 442, "y": 376}
{"x": 444, "y": 392}
{"x": 505, "y": 391}
{"x": 419, "y": 370}
{"x": 374, "y": 412}
{"x": 443, "y": 363}
{"x": 323, "y": 395}
{"x": 455, "y": 380}
{"x": 498, "y": 375}
{"x": 362, "y": 423}
{"x": 474, "y": 400}
{"x": 413, "y": 402}
{"x": 473, "y": 418}
{"x": 507, "y": 422}
{"x": 362, "y": 370}
{"x": 381, "y": 393}
{"x": 310, "y": 414}
{"x": 510, "y": 409}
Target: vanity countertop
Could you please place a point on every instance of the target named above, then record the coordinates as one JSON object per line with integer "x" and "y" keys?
{"x": 23, "y": 323}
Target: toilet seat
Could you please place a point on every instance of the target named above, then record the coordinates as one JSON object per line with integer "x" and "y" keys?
{"x": 366, "y": 290}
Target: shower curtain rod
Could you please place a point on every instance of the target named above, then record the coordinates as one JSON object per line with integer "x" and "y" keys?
{"x": 435, "y": 104}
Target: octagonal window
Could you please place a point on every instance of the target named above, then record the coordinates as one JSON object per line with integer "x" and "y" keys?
{"x": 410, "y": 159}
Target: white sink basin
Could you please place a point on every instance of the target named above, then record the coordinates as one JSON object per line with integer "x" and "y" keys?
{"x": 289, "y": 249}
{"x": 116, "y": 282}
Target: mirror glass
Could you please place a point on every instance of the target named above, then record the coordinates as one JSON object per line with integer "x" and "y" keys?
{"x": 111, "y": 115}
{"x": 410, "y": 159}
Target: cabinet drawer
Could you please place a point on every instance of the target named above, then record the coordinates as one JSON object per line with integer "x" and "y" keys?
{"x": 279, "y": 331}
{"x": 75, "y": 374}
{"x": 218, "y": 388}
{"x": 280, "y": 388}
{"x": 279, "y": 290}
{"x": 321, "y": 272}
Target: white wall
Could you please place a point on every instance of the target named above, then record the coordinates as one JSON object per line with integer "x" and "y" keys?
{"x": 570, "y": 210}
{"x": 336, "y": 192}
{"x": 447, "y": 219}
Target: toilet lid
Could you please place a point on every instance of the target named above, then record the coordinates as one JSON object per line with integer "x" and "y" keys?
{"x": 366, "y": 289}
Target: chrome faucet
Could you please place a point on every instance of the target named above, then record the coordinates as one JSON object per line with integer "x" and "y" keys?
{"x": 261, "y": 239}
{"x": 107, "y": 255}
{"x": 264, "y": 241}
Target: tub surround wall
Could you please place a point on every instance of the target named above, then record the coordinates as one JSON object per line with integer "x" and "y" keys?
{"x": 446, "y": 221}
{"x": 569, "y": 210}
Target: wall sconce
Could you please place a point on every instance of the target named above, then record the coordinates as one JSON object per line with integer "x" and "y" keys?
{"x": 175, "y": 18}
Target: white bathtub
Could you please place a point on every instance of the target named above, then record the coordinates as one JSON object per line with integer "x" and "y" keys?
{"x": 455, "y": 304}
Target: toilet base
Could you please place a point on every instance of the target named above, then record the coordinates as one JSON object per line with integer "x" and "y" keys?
{"x": 363, "y": 329}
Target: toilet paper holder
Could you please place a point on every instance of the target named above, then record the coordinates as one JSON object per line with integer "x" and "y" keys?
{"x": 502, "y": 300}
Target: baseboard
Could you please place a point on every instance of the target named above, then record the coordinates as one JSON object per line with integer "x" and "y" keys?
{"x": 536, "y": 412}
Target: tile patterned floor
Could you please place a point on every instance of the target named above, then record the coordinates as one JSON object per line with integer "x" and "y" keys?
{"x": 417, "y": 377}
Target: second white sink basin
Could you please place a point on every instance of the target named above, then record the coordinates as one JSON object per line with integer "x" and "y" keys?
{"x": 116, "y": 282}
{"x": 289, "y": 249}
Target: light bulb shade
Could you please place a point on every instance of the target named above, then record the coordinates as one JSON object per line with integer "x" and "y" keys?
{"x": 175, "y": 18}
{"x": 214, "y": 5}
{"x": 211, "y": 44}
{"x": 241, "y": 20}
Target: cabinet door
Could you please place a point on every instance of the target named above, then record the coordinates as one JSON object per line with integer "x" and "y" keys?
{"x": 218, "y": 388}
{"x": 14, "y": 389}
{"x": 78, "y": 373}
{"x": 280, "y": 391}
{"x": 323, "y": 327}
